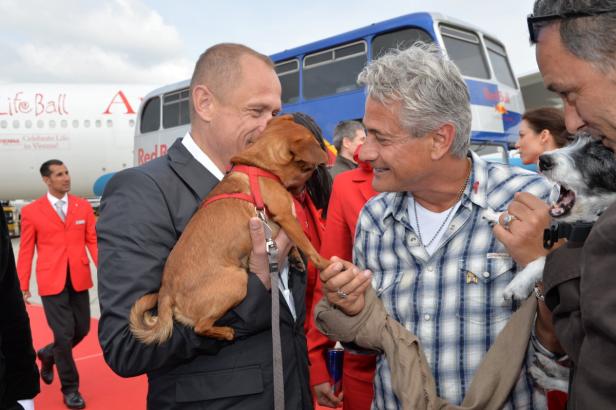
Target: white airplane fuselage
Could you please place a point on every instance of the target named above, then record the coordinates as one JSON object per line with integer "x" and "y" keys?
{"x": 89, "y": 127}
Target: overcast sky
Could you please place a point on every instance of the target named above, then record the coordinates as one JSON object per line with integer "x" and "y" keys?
{"x": 157, "y": 41}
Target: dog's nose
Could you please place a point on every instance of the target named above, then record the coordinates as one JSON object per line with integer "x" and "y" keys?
{"x": 545, "y": 162}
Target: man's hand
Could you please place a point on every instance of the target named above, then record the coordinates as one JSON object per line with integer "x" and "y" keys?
{"x": 259, "y": 263}
{"x": 524, "y": 238}
{"x": 27, "y": 296}
{"x": 344, "y": 285}
{"x": 544, "y": 327}
{"x": 325, "y": 397}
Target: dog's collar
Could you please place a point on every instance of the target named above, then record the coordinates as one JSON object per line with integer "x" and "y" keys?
{"x": 255, "y": 192}
{"x": 576, "y": 233}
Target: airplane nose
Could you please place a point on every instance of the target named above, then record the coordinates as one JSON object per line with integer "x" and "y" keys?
{"x": 545, "y": 162}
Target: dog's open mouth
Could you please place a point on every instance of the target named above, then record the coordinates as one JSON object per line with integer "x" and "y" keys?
{"x": 563, "y": 204}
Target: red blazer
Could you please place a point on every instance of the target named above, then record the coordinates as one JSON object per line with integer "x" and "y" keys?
{"x": 350, "y": 192}
{"x": 58, "y": 245}
{"x": 311, "y": 221}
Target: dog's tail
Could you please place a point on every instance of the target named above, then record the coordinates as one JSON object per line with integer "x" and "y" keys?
{"x": 148, "y": 328}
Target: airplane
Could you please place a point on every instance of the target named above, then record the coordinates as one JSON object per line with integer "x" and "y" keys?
{"x": 89, "y": 127}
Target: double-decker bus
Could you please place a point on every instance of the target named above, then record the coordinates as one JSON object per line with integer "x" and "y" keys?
{"x": 320, "y": 79}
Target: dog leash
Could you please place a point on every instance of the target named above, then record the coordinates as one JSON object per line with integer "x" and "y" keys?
{"x": 272, "y": 257}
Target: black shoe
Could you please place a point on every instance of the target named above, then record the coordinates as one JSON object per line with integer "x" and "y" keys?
{"x": 46, "y": 365}
{"x": 74, "y": 400}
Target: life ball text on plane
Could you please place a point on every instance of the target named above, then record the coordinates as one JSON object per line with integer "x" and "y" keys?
{"x": 37, "y": 103}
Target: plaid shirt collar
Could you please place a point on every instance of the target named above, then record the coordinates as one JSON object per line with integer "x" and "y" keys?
{"x": 476, "y": 192}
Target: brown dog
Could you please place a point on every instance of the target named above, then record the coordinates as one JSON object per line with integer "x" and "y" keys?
{"x": 206, "y": 272}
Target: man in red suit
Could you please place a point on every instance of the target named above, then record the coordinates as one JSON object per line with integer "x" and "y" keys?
{"x": 61, "y": 227}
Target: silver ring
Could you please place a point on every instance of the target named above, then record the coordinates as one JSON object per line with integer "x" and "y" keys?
{"x": 341, "y": 294}
{"x": 507, "y": 219}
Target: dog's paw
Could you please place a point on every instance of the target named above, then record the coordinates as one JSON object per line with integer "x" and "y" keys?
{"x": 516, "y": 290}
{"x": 491, "y": 216}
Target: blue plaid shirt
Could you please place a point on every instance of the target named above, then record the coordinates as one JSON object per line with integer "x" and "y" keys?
{"x": 451, "y": 300}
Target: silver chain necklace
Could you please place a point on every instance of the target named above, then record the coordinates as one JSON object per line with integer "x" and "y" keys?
{"x": 440, "y": 228}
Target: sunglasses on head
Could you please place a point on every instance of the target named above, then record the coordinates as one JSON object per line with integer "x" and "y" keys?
{"x": 536, "y": 23}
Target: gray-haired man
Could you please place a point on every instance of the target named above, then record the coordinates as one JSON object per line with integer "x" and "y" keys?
{"x": 433, "y": 260}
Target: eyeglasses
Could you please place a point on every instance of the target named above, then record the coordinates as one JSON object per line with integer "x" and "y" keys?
{"x": 536, "y": 23}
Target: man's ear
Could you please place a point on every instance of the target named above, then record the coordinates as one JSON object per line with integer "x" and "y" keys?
{"x": 442, "y": 140}
{"x": 204, "y": 102}
{"x": 346, "y": 142}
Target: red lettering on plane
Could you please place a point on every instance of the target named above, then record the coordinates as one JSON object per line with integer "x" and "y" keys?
{"x": 143, "y": 156}
{"x": 40, "y": 105}
{"x": 124, "y": 100}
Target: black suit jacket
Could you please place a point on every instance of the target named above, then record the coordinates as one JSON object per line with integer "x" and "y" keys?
{"x": 580, "y": 289}
{"x": 19, "y": 377}
{"x": 143, "y": 212}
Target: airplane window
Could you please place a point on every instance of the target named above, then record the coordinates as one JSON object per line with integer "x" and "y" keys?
{"x": 28, "y": 124}
{"x": 40, "y": 124}
{"x": 109, "y": 123}
{"x": 52, "y": 123}
{"x": 75, "y": 123}
{"x": 131, "y": 123}
{"x": 98, "y": 123}
{"x": 3, "y": 124}
{"x": 15, "y": 123}
{"x": 63, "y": 123}
{"x": 86, "y": 123}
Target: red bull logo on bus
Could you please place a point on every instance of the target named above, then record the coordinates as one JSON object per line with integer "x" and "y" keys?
{"x": 144, "y": 156}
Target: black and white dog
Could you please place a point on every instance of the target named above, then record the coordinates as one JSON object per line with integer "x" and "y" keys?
{"x": 585, "y": 170}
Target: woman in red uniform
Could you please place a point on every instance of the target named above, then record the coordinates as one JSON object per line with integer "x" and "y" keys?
{"x": 311, "y": 209}
{"x": 350, "y": 192}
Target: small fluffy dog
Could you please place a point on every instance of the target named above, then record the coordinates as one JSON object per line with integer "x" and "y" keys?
{"x": 586, "y": 173}
{"x": 206, "y": 273}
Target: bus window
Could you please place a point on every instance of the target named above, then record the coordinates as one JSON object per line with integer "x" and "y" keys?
{"x": 333, "y": 71}
{"x": 464, "y": 48}
{"x": 500, "y": 64}
{"x": 400, "y": 39}
{"x": 288, "y": 73}
{"x": 150, "y": 117}
{"x": 175, "y": 108}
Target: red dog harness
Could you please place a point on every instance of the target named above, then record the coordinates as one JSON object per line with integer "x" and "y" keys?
{"x": 253, "y": 177}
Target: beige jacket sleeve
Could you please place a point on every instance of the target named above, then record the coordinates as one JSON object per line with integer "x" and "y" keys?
{"x": 412, "y": 380}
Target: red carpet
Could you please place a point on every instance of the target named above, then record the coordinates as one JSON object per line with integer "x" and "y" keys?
{"x": 101, "y": 388}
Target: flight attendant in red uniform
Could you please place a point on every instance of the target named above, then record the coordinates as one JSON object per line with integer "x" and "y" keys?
{"x": 351, "y": 190}
{"x": 61, "y": 227}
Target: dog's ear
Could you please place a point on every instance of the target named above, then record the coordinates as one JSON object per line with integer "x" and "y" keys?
{"x": 272, "y": 146}
{"x": 305, "y": 148}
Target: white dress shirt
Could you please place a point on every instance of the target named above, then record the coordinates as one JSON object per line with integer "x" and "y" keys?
{"x": 52, "y": 200}
{"x": 204, "y": 160}
{"x": 201, "y": 156}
